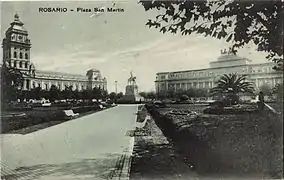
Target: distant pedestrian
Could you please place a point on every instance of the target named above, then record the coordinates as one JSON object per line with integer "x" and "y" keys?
{"x": 261, "y": 101}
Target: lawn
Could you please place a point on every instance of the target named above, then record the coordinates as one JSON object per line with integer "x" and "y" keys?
{"x": 40, "y": 118}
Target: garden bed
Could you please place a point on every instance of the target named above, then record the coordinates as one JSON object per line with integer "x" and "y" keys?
{"x": 235, "y": 109}
{"x": 154, "y": 157}
{"x": 247, "y": 145}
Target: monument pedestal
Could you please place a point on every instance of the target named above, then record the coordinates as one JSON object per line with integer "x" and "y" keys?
{"x": 131, "y": 94}
{"x": 131, "y": 91}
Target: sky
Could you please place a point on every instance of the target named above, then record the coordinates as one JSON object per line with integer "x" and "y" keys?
{"x": 114, "y": 43}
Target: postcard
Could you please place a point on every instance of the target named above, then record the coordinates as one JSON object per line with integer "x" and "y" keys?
{"x": 141, "y": 90}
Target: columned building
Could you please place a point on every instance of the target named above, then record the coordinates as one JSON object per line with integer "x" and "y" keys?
{"x": 258, "y": 74}
{"x": 16, "y": 54}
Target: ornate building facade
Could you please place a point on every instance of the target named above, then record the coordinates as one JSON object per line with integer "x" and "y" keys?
{"x": 16, "y": 54}
{"x": 258, "y": 74}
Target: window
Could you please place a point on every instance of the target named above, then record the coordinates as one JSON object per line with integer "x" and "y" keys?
{"x": 26, "y": 56}
{"x": 183, "y": 86}
{"x": 46, "y": 87}
{"x": 15, "y": 54}
{"x": 21, "y": 55}
{"x": 21, "y": 64}
{"x": 26, "y": 65}
{"x": 28, "y": 84}
{"x": 206, "y": 84}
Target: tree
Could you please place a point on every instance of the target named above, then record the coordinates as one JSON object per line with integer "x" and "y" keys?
{"x": 104, "y": 94}
{"x": 36, "y": 93}
{"x": 112, "y": 96}
{"x": 67, "y": 93}
{"x": 151, "y": 95}
{"x": 266, "y": 89}
{"x": 119, "y": 95}
{"x": 87, "y": 94}
{"x": 97, "y": 93}
{"x": 11, "y": 80}
{"x": 76, "y": 94}
{"x": 143, "y": 94}
{"x": 54, "y": 93}
{"x": 239, "y": 22}
{"x": 278, "y": 92}
{"x": 231, "y": 85}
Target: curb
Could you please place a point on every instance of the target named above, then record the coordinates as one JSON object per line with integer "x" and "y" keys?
{"x": 125, "y": 160}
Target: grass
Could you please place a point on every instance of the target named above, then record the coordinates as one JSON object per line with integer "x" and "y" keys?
{"x": 40, "y": 118}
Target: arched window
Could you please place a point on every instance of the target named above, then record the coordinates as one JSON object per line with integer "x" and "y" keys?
{"x": 21, "y": 55}
{"x": 21, "y": 64}
{"x": 26, "y": 56}
{"x": 15, "y": 63}
{"x": 15, "y": 54}
{"x": 26, "y": 64}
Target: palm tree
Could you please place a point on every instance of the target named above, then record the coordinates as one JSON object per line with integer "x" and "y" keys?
{"x": 231, "y": 85}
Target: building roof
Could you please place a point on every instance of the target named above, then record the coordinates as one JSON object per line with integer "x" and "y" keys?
{"x": 95, "y": 70}
{"x": 190, "y": 70}
{"x": 17, "y": 25}
{"x": 59, "y": 73}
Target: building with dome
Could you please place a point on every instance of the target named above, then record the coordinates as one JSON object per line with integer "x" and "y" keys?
{"x": 16, "y": 54}
{"x": 259, "y": 74}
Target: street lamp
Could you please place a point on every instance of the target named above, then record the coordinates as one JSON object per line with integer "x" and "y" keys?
{"x": 115, "y": 87}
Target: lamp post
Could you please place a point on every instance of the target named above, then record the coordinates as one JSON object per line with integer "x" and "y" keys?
{"x": 115, "y": 87}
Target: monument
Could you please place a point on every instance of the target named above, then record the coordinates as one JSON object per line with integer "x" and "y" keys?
{"x": 131, "y": 90}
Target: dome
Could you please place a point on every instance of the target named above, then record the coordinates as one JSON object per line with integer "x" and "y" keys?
{"x": 94, "y": 70}
{"x": 17, "y": 25}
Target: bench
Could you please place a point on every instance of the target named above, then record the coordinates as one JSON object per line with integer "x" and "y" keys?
{"x": 101, "y": 106}
{"x": 46, "y": 104}
{"x": 70, "y": 114}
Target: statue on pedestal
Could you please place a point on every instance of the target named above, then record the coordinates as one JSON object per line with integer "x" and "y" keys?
{"x": 132, "y": 79}
{"x": 131, "y": 90}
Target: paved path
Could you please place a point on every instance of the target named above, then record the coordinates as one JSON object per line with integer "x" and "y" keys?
{"x": 84, "y": 148}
